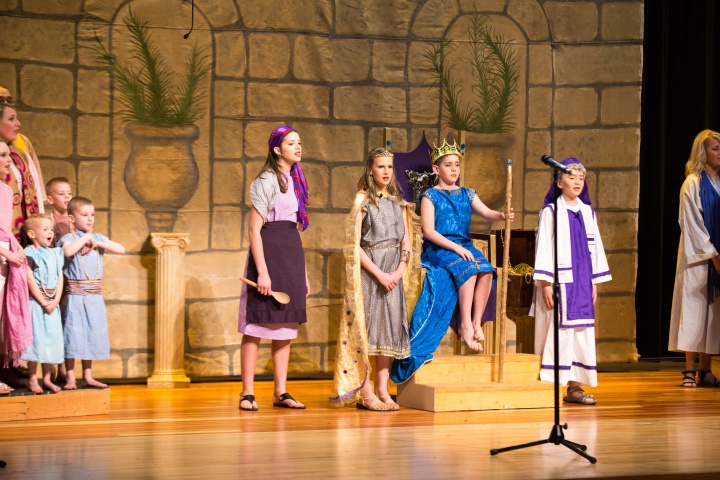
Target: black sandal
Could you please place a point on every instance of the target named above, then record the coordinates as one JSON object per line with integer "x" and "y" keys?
{"x": 248, "y": 398}
{"x": 689, "y": 380}
{"x": 287, "y": 396}
{"x": 715, "y": 383}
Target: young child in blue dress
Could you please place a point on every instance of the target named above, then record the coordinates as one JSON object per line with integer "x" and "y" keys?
{"x": 83, "y": 310}
{"x": 45, "y": 282}
{"x": 457, "y": 274}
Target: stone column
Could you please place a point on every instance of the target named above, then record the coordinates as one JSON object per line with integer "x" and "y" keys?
{"x": 169, "y": 369}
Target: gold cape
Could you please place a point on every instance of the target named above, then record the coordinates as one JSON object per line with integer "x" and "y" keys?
{"x": 352, "y": 363}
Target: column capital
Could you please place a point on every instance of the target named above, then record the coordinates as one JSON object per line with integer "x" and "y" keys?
{"x": 164, "y": 240}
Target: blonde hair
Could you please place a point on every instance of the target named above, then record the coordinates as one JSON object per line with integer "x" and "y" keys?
{"x": 366, "y": 182}
{"x": 32, "y": 221}
{"x": 697, "y": 161}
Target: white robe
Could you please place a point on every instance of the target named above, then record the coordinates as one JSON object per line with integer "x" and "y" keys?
{"x": 694, "y": 325}
{"x": 577, "y": 355}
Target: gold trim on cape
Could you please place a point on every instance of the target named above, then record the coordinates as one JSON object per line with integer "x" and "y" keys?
{"x": 352, "y": 363}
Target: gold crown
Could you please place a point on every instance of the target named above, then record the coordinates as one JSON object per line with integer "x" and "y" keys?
{"x": 445, "y": 149}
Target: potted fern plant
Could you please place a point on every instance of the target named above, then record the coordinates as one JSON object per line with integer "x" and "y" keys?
{"x": 486, "y": 114}
{"x": 161, "y": 174}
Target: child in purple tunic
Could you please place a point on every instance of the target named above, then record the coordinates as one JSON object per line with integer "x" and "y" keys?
{"x": 581, "y": 265}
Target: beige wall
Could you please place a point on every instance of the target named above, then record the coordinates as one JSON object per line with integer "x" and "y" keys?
{"x": 339, "y": 71}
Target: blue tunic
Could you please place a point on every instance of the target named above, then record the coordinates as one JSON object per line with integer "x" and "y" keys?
{"x": 47, "y": 346}
{"x": 85, "y": 317}
{"x": 446, "y": 272}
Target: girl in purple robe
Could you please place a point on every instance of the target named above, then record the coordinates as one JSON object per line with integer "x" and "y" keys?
{"x": 581, "y": 266}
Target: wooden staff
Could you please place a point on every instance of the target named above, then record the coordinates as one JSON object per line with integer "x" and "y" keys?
{"x": 505, "y": 268}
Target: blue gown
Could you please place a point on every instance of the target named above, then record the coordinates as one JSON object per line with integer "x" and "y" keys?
{"x": 85, "y": 317}
{"x": 47, "y": 346}
{"x": 446, "y": 272}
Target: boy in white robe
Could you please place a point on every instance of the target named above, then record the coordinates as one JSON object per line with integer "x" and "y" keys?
{"x": 581, "y": 266}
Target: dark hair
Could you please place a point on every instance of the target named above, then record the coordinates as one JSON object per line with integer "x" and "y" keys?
{"x": 272, "y": 164}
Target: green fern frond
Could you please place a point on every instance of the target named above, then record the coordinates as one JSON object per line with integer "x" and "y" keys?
{"x": 146, "y": 92}
{"x": 495, "y": 74}
{"x": 190, "y": 102}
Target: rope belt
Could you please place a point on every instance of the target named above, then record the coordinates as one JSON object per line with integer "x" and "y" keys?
{"x": 83, "y": 287}
{"x": 381, "y": 247}
{"x": 48, "y": 293}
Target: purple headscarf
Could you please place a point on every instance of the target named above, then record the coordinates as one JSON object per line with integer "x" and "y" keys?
{"x": 555, "y": 192}
{"x": 302, "y": 193}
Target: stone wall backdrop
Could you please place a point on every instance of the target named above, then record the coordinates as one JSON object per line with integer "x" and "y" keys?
{"x": 339, "y": 71}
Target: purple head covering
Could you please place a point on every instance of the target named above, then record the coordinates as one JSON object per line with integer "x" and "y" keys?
{"x": 555, "y": 192}
{"x": 300, "y": 186}
{"x": 277, "y": 135}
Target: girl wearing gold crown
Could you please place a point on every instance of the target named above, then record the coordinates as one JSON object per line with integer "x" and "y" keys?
{"x": 380, "y": 282}
{"x": 457, "y": 274}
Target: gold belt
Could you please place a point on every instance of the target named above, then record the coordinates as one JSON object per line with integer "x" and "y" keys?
{"x": 381, "y": 247}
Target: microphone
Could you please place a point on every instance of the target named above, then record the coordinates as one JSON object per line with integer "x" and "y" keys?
{"x": 551, "y": 162}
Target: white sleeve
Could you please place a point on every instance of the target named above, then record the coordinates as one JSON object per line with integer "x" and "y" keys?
{"x": 544, "y": 254}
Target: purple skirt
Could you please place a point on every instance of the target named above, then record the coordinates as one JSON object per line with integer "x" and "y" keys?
{"x": 285, "y": 262}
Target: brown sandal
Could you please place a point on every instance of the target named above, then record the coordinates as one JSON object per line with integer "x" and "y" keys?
{"x": 582, "y": 399}
{"x": 689, "y": 380}
{"x": 715, "y": 383}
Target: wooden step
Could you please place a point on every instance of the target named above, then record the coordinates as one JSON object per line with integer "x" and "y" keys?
{"x": 519, "y": 367}
{"x": 469, "y": 382}
{"x": 477, "y": 396}
{"x": 715, "y": 366}
{"x": 68, "y": 403}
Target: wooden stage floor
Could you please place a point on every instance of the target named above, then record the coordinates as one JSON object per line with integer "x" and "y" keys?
{"x": 644, "y": 426}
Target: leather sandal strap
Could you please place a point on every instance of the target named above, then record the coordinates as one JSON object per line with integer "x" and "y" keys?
{"x": 286, "y": 396}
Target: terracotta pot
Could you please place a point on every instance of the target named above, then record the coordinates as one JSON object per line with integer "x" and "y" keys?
{"x": 161, "y": 174}
{"x": 485, "y": 168}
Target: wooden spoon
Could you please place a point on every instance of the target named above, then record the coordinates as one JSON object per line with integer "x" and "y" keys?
{"x": 281, "y": 297}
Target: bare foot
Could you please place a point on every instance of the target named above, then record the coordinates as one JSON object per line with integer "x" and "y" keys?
{"x": 70, "y": 384}
{"x": 91, "y": 382}
{"x": 51, "y": 386}
{"x": 479, "y": 334}
{"x": 469, "y": 336}
{"x": 34, "y": 387}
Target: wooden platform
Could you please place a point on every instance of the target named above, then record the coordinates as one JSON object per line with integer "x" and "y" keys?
{"x": 469, "y": 382}
{"x": 645, "y": 425}
{"x": 68, "y": 403}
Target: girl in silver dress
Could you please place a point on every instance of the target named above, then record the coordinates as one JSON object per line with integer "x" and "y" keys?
{"x": 378, "y": 252}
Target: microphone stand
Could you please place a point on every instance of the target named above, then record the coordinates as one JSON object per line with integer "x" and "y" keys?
{"x": 557, "y": 436}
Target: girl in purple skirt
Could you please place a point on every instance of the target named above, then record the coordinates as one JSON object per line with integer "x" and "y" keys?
{"x": 276, "y": 262}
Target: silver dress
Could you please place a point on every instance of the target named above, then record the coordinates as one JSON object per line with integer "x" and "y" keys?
{"x": 382, "y": 232}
